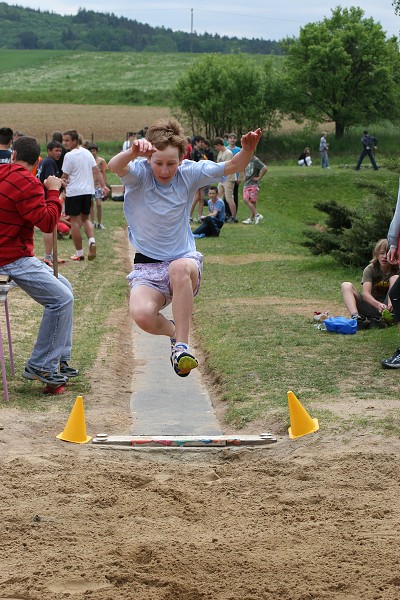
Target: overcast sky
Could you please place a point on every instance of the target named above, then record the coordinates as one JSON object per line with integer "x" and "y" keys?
{"x": 258, "y": 18}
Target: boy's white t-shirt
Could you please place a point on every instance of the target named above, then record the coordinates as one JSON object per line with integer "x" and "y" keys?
{"x": 78, "y": 164}
{"x": 158, "y": 215}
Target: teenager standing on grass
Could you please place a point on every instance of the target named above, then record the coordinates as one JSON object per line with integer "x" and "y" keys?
{"x": 158, "y": 197}
{"x": 393, "y": 362}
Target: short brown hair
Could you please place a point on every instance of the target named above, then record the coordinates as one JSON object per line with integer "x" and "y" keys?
{"x": 167, "y": 132}
{"x": 73, "y": 134}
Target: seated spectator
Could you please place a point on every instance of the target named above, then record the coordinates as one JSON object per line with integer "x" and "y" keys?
{"x": 212, "y": 223}
{"x": 378, "y": 277}
{"x": 304, "y": 159}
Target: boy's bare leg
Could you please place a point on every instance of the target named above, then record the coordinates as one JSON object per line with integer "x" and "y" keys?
{"x": 144, "y": 305}
{"x": 183, "y": 274}
{"x": 349, "y": 294}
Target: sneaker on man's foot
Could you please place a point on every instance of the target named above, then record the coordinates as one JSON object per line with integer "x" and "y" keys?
{"x": 232, "y": 220}
{"x": 100, "y": 226}
{"x": 68, "y": 371}
{"x": 76, "y": 258}
{"x": 182, "y": 361}
{"x": 92, "y": 251}
{"x": 248, "y": 221}
{"x": 258, "y": 218}
{"x": 51, "y": 379}
{"x": 393, "y": 362}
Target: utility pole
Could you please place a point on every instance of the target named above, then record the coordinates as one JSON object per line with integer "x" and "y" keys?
{"x": 191, "y": 30}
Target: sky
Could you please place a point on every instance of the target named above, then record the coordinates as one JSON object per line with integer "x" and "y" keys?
{"x": 259, "y": 19}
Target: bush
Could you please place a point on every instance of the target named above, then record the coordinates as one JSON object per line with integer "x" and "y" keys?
{"x": 350, "y": 236}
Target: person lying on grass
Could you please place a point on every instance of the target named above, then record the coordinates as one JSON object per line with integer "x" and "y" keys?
{"x": 159, "y": 189}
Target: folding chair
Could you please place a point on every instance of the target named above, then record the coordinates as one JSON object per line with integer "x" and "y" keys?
{"x": 4, "y": 287}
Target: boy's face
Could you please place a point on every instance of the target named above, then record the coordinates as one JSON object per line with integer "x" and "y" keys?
{"x": 69, "y": 143}
{"x": 164, "y": 164}
{"x": 94, "y": 152}
{"x": 55, "y": 153}
{"x": 212, "y": 194}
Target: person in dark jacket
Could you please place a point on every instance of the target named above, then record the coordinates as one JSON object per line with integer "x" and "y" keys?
{"x": 368, "y": 142}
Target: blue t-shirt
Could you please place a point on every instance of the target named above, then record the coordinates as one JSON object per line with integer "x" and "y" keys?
{"x": 158, "y": 215}
{"x": 220, "y": 207}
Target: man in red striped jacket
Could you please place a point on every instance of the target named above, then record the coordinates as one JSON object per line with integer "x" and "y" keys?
{"x": 22, "y": 207}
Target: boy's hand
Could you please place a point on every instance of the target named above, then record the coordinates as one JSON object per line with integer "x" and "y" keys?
{"x": 143, "y": 148}
{"x": 250, "y": 140}
{"x": 53, "y": 183}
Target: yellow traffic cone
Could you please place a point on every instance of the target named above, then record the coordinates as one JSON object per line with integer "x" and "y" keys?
{"x": 300, "y": 421}
{"x": 75, "y": 429}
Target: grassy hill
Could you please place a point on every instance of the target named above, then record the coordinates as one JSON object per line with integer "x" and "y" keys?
{"x": 130, "y": 78}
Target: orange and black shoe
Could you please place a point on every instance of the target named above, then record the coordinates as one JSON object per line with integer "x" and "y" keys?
{"x": 77, "y": 258}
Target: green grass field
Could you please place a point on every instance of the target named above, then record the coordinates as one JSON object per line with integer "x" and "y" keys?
{"x": 254, "y": 315}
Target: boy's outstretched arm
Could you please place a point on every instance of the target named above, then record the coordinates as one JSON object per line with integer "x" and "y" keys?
{"x": 249, "y": 143}
{"x": 119, "y": 163}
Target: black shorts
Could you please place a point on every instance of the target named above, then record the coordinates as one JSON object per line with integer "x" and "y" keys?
{"x": 76, "y": 205}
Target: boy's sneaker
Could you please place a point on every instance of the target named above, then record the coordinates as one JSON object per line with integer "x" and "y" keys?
{"x": 248, "y": 221}
{"x": 258, "y": 218}
{"x": 51, "y": 379}
{"x": 182, "y": 361}
{"x": 198, "y": 236}
{"x": 363, "y": 323}
{"x": 92, "y": 251}
{"x": 77, "y": 258}
{"x": 100, "y": 226}
{"x": 393, "y": 362}
{"x": 232, "y": 220}
{"x": 68, "y": 371}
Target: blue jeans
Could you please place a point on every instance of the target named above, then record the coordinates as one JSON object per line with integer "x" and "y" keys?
{"x": 324, "y": 159}
{"x": 54, "y": 341}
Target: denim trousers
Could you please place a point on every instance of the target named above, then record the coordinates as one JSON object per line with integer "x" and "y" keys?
{"x": 54, "y": 340}
{"x": 324, "y": 159}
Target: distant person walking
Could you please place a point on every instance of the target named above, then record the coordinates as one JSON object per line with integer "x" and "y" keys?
{"x": 323, "y": 150}
{"x": 368, "y": 142}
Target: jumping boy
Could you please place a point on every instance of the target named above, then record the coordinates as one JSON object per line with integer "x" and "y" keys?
{"x": 158, "y": 198}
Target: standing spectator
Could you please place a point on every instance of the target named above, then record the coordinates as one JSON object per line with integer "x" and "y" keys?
{"x": 189, "y": 149}
{"x": 198, "y": 154}
{"x": 48, "y": 167}
{"x": 131, "y": 137}
{"x": 57, "y": 137}
{"x": 22, "y": 208}
{"x": 213, "y": 222}
{"x": 225, "y": 189}
{"x": 98, "y": 196}
{"x": 367, "y": 142}
{"x": 232, "y": 139}
{"x": 253, "y": 174}
{"x": 323, "y": 150}
{"x": 80, "y": 175}
{"x": 6, "y": 137}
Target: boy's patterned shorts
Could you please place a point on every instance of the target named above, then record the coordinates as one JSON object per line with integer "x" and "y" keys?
{"x": 156, "y": 275}
{"x": 251, "y": 193}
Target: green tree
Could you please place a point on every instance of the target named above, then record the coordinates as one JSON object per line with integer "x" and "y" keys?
{"x": 222, "y": 93}
{"x": 343, "y": 69}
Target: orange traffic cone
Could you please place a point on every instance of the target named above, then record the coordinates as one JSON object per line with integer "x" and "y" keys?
{"x": 75, "y": 429}
{"x": 300, "y": 421}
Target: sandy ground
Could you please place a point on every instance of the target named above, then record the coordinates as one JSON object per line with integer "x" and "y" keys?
{"x": 314, "y": 518}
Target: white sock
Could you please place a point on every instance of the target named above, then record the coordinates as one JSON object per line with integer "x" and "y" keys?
{"x": 79, "y": 252}
{"x": 92, "y": 241}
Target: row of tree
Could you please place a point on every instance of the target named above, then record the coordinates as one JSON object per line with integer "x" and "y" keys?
{"x": 342, "y": 69}
{"x": 25, "y": 28}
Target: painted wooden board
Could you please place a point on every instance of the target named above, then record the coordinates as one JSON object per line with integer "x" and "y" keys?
{"x": 182, "y": 441}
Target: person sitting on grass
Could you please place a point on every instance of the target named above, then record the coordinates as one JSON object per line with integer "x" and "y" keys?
{"x": 377, "y": 279}
{"x": 304, "y": 159}
{"x": 213, "y": 222}
{"x": 158, "y": 198}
